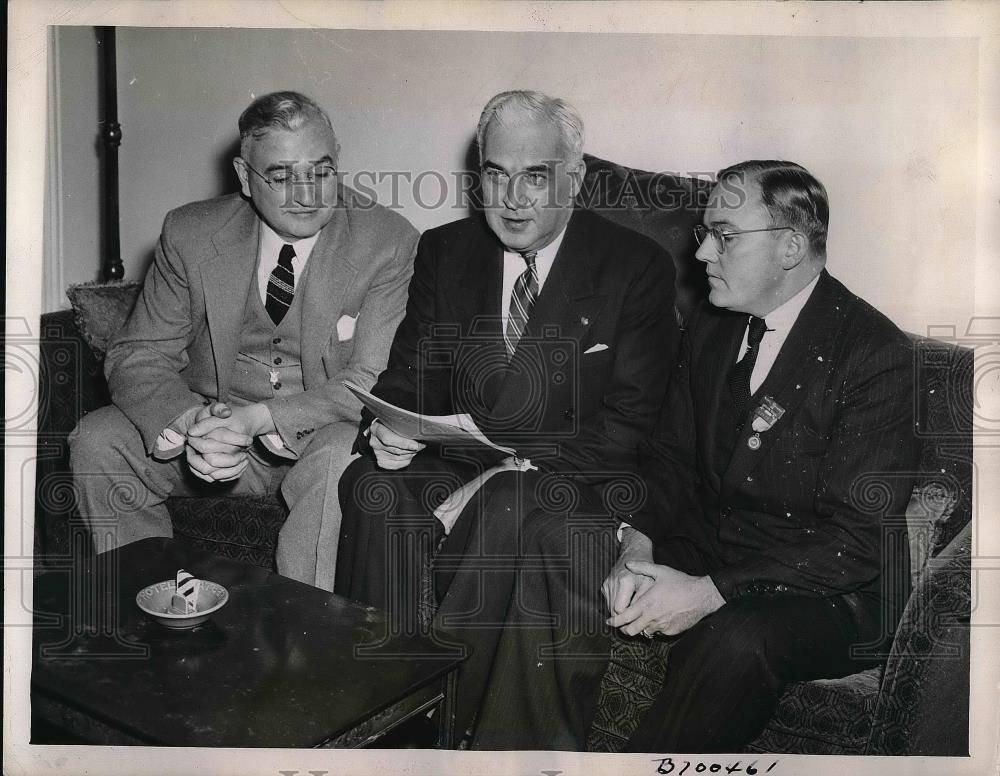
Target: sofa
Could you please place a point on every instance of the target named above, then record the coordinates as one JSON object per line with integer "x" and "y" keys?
{"x": 916, "y": 703}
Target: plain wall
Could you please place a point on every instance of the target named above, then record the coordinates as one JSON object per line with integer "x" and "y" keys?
{"x": 73, "y": 202}
{"x": 888, "y": 124}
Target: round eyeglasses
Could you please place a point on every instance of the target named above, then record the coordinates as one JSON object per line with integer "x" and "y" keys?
{"x": 722, "y": 238}
{"x": 279, "y": 180}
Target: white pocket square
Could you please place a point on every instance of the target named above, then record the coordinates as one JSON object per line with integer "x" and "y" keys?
{"x": 345, "y": 327}
{"x": 596, "y": 348}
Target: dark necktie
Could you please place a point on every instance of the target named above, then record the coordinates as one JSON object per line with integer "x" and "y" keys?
{"x": 281, "y": 285}
{"x": 521, "y": 302}
{"x": 739, "y": 376}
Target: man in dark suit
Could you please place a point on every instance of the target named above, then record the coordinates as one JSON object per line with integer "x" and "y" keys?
{"x": 761, "y": 550}
{"x": 226, "y": 379}
{"x": 554, "y": 329}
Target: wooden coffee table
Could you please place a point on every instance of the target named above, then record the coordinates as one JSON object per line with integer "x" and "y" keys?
{"x": 282, "y": 664}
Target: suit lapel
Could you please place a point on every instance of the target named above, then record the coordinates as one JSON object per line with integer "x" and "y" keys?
{"x": 472, "y": 298}
{"x": 804, "y": 357}
{"x": 330, "y": 272}
{"x": 719, "y": 345}
{"x": 563, "y": 311}
{"x": 226, "y": 281}
{"x": 477, "y": 287}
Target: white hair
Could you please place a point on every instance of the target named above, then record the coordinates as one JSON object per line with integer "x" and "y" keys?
{"x": 537, "y": 106}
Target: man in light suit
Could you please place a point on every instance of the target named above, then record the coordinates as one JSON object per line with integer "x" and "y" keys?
{"x": 555, "y": 330}
{"x": 227, "y": 376}
{"x": 762, "y": 551}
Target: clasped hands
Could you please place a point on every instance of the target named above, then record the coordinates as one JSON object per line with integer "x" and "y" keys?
{"x": 218, "y": 438}
{"x": 647, "y": 598}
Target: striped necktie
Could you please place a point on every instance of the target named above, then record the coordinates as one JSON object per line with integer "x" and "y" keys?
{"x": 521, "y": 301}
{"x": 281, "y": 285}
{"x": 739, "y": 376}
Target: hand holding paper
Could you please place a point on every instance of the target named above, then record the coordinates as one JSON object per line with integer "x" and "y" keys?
{"x": 392, "y": 451}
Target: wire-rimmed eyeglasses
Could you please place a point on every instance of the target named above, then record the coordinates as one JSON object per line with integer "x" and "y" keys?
{"x": 279, "y": 180}
{"x": 722, "y": 238}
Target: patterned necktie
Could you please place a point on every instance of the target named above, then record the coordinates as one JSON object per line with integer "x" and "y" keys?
{"x": 739, "y": 376}
{"x": 281, "y": 285}
{"x": 521, "y": 302}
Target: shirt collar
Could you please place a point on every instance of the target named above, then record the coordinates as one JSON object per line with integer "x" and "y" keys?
{"x": 270, "y": 243}
{"x": 783, "y": 317}
{"x": 544, "y": 257}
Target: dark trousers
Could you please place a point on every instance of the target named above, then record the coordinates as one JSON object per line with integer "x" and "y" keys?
{"x": 519, "y": 580}
{"x": 725, "y": 675}
{"x": 388, "y": 531}
{"x": 508, "y": 578}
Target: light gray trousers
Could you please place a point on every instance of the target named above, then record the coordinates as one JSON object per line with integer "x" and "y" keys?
{"x": 118, "y": 485}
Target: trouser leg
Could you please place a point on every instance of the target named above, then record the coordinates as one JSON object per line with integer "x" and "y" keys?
{"x": 507, "y": 565}
{"x": 120, "y": 490}
{"x": 552, "y": 653}
{"x": 725, "y": 675}
{"x": 307, "y": 543}
{"x": 388, "y": 530}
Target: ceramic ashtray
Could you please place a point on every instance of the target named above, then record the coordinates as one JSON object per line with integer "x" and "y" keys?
{"x": 182, "y": 602}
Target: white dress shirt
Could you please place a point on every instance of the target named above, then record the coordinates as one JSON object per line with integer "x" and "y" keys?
{"x": 779, "y": 323}
{"x": 514, "y": 264}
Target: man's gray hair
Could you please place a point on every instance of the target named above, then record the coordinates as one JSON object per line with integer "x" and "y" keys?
{"x": 282, "y": 110}
{"x": 537, "y": 106}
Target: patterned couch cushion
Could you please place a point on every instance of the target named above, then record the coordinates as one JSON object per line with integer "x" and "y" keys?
{"x": 825, "y": 716}
{"x": 242, "y": 527}
{"x": 101, "y": 310}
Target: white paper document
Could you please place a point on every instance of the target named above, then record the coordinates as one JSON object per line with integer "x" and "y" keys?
{"x": 456, "y": 429}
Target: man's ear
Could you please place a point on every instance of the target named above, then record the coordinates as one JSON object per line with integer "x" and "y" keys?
{"x": 796, "y": 250}
{"x": 576, "y": 172}
{"x": 243, "y": 174}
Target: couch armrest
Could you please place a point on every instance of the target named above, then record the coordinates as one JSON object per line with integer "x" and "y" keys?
{"x": 72, "y": 381}
{"x": 923, "y": 704}
{"x": 71, "y": 384}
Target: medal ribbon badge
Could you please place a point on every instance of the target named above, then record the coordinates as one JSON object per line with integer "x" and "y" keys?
{"x": 764, "y": 417}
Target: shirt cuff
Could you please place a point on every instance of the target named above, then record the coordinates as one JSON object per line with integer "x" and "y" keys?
{"x": 621, "y": 531}
{"x": 169, "y": 444}
{"x": 273, "y": 441}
